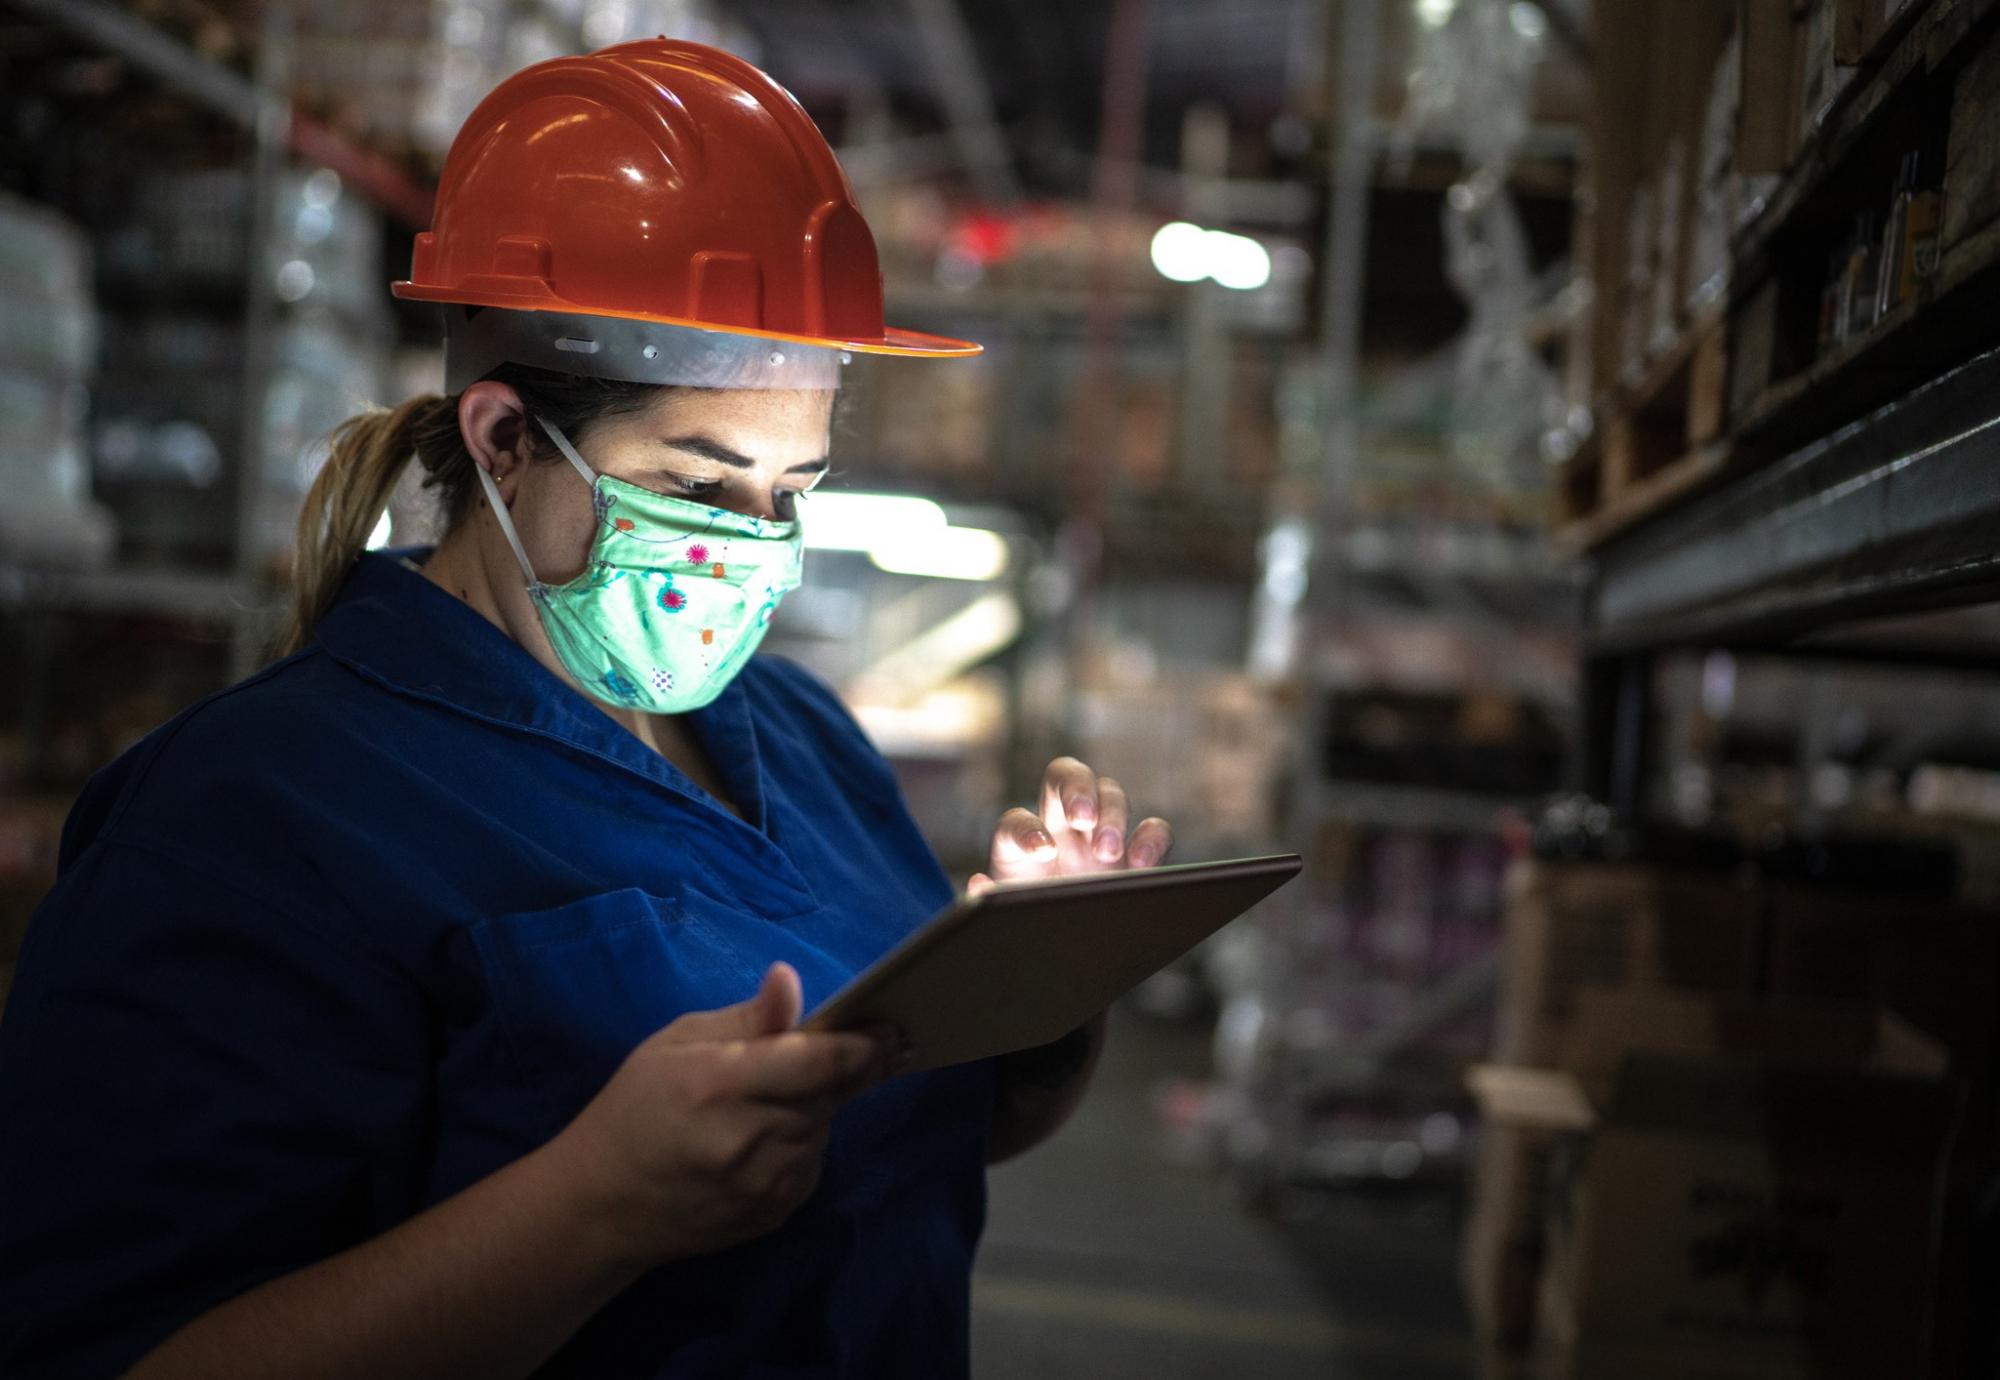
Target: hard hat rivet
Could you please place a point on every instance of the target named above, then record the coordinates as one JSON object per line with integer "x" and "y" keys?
{"x": 651, "y": 352}
{"x": 777, "y": 356}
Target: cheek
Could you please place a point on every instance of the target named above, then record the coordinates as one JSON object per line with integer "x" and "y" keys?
{"x": 556, "y": 523}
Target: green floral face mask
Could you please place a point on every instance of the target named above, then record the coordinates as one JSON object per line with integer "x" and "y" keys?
{"x": 676, "y": 596}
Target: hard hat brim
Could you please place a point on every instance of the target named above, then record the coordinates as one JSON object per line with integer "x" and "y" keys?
{"x": 907, "y": 344}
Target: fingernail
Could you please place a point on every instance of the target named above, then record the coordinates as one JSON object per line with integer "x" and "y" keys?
{"x": 1040, "y": 842}
{"x": 1082, "y": 811}
{"x": 1144, "y": 856}
{"x": 1109, "y": 844}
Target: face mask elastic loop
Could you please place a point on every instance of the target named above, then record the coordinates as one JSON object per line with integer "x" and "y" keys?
{"x": 536, "y": 589}
{"x": 499, "y": 506}
{"x": 568, "y": 450}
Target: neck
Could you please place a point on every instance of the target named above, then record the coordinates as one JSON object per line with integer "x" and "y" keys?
{"x": 491, "y": 584}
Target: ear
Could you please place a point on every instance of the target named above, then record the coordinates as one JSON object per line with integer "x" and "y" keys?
{"x": 493, "y": 423}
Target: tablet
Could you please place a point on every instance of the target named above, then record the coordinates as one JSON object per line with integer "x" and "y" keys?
{"x": 1024, "y": 963}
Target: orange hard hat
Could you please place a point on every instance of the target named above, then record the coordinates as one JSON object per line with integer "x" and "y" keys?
{"x": 658, "y": 181}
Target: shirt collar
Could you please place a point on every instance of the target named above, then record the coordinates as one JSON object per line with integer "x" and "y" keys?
{"x": 394, "y": 626}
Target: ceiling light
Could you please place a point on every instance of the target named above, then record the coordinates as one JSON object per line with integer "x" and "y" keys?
{"x": 948, "y": 553}
{"x": 862, "y": 522}
{"x": 1187, "y": 254}
{"x": 1237, "y": 261}
{"x": 1180, "y": 252}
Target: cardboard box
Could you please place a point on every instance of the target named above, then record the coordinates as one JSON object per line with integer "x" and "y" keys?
{"x": 1767, "y": 131}
{"x": 1972, "y": 152}
{"x": 1611, "y": 1026}
{"x": 1858, "y": 25}
{"x": 1523, "y": 1264}
{"x": 1750, "y": 1195}
{"x": 1912, "y": 955}
{"x": 1573, "y": 925}
{"x": 1736, "y": 1221}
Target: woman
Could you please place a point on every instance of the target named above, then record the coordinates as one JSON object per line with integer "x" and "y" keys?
{"x": 425, "y": 1005}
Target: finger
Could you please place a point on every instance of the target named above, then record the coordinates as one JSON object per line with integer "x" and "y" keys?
{"x": 1113, "y": 812}
{"x": 977, "y": 883}
{"x": 776, "y": 1006}
{"x": 1150, "y": 842}
{"x": 1069, "y": 796}
{"x": 803, "y": 1065}
{"x": 1022, "y": 847}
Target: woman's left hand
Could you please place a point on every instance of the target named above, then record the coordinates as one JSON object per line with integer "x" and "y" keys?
{"x": 1082, "y": 828}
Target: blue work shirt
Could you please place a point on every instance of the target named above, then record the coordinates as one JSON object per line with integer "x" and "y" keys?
{"x": 341, "y": 940}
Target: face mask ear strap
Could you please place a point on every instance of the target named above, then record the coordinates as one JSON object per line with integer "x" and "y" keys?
{"x": 500, "y": 507}
{"x": 568, "y": 450}
{"x": 507, "y": 526}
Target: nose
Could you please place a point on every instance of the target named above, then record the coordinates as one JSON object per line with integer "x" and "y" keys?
{"x": 760, "y": 503}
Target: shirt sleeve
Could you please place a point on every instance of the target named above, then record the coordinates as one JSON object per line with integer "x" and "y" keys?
{"x": 200, "y": 1090}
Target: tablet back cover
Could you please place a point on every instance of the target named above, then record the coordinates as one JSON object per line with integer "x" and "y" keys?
{"x": 1026, "y": 963}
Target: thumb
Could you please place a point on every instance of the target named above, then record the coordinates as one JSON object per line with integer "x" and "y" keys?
{"x": 775, "y": 1007}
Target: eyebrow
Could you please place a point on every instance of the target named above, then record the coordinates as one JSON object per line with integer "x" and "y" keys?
{"x": 710, "y": 449}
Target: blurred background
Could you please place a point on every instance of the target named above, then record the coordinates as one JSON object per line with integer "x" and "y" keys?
{"x": 1533, "y": 457}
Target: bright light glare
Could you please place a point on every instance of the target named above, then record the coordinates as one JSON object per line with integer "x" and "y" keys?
{"x": 1237, "y": 261}
{"x": 1180, "y": 251}
{"x": 949, "y": 553}
{"x": 1187, "y": 254}
{"x": 903, "y": 535}
{"x": 863, "y": 522}
{"x": 1528, "y": 20}
{"x": 379, "y": 538}
{"x": 1435, "y": 13}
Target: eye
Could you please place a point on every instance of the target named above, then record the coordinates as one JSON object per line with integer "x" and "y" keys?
{"x": 695, "y": 487}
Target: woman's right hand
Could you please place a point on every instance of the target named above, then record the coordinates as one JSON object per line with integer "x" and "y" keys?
{"x": 713, "y": 1131}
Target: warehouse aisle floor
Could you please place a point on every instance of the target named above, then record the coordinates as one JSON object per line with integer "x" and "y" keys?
{"x": 1104, "y": 1259}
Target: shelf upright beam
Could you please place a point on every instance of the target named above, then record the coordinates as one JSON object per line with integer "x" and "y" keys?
{"x": 1616, "y": 711}
{"x": 267, "y": 167}
{"x": 118, "y": 30}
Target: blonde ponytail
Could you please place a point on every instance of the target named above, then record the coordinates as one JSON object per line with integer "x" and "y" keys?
{"x": 347, "y": 500}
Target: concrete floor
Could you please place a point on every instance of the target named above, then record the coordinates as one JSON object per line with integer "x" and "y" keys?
{"x": 1104, "y": 1259}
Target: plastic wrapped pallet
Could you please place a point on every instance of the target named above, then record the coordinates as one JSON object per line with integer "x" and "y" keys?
{"x": 48, "y": 345}
{"x": 404, "y": 76}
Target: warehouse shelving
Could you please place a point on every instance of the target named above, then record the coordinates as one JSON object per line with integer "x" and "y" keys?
{"x": 238, "y": 602}
{"x": 239, "y": 98}
{"x": 1752, "y": 404}
{"x": 1924, "y": 40}
{"x": 1845, "y": 506}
